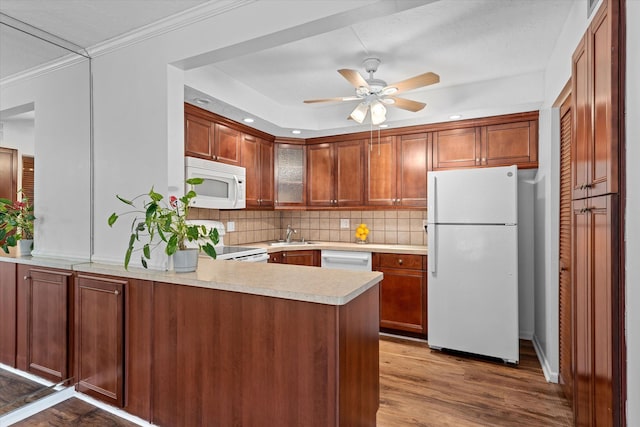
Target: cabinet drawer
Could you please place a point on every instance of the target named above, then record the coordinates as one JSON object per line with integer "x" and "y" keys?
{"x": 414, "y": 262}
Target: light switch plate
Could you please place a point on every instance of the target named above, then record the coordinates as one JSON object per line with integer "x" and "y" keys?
{"x": 344, "y": 223}
{"x": 231, "y": 226}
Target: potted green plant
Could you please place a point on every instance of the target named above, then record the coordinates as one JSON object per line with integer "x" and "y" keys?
{"x": 16, "y": 224}
{"x": 156, "y": 222}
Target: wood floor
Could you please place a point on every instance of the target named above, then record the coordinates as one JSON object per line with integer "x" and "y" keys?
{"x": 418, "y": 387}
{"x": 16, "y": 391}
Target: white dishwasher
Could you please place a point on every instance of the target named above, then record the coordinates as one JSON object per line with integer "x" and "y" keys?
{"x": 346, "y": 260}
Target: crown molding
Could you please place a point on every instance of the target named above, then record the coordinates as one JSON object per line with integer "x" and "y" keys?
{"x": 171, "y": 23}
{"x": 40, "y": 70}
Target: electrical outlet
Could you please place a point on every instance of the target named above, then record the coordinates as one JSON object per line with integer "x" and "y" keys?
{"x": 344, "y": 223}
{"x": 231, "y": 226}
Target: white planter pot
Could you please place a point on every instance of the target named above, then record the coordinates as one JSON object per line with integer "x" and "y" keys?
{"x": 25, "y": 246}
{"x": 185, "y": 261}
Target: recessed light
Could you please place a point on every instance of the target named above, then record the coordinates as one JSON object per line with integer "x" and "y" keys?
{"x": 455, "y": 117}
{"x": 203, "y": 101}
{"x": 296, "y": 132}
{"x": 384, "y": 125}
{"x": 248, "y": 120}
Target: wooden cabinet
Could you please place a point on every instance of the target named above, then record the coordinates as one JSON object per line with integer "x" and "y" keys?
{"x": 44, "y": 330}
{"x": 229, "y": 358}
{"x": 397, "y": 171}
{"x": 99, "y": 321}
{"x": 8, "y": 303}
{"x": 510, "y": 144}
{"x": 456, "y": 148}
{"x": 257, "y": 158}
{"x": 310, "y": 258}
{"x": 412, "y": 153}
{"x": 207, "y": 139}
{"x": 595, "y": 99}
{"x": 595, "y": 302}
{"x": 290, "y": 173}
{"x": 501, "y": 144}
{"x": 598, "y": 309}
{"x": 403, "y": 293}
{"x": 335, "y": 174}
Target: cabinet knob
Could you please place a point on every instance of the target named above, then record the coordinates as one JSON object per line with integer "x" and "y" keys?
{"x": 484, "y": 159}
{"x": 116, "y": 292}
{"x": 26, "y": 277}
{"x": 477, "y": 159}
{"x": 400, "y": 261}
{"x": 284, "y": 255}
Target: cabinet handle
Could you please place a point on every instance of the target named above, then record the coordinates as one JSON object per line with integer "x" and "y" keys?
{"x": 400, "y": 261}
{"x": 26, "y": 277}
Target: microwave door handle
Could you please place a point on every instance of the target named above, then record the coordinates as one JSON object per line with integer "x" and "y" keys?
{"x": 235, "y": 201}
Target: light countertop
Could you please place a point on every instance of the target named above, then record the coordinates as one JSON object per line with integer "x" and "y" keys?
{"x": 317, "y": 285}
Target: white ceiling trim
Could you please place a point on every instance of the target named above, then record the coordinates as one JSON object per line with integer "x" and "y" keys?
{"x": 41, "y": 70}
{"x": 163, "y": 26}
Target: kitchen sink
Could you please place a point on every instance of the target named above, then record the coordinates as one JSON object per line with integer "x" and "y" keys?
{"x": 291, "y": 243}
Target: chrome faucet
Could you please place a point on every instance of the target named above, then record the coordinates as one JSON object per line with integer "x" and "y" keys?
{"x": 289, "y": 231}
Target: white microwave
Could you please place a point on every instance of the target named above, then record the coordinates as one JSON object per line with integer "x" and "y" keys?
{"x": 224, "y": 186}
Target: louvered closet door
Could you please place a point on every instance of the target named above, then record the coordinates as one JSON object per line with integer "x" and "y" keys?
{"x": 566, "y": 335}
{"x": 28, "y": 168}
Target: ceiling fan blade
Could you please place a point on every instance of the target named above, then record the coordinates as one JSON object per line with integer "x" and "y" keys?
{"x": 425, "y": 79}
{"x": 354, "y": 77}
{"x": 342, "y": 98}
{"x": 407, "y": 104}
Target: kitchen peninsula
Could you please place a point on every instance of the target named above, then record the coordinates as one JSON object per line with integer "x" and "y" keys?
{"x": 230, "y": 344}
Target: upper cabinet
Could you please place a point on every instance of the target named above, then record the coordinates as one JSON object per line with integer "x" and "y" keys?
{"x": 397, "y": 171}
{"x": 335, "y": 174}
{"x": 500, "y": 144}
{"x": 290, "y": 171}
{"x": 456, "y": 148}
{"x": 257, "y": 158}
{"x": 594, "y": 153}
{"x": 207, "y": 139}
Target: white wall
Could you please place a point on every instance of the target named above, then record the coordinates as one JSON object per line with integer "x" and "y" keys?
{"x": 632, "y": 222}
{"x": 62, "y": 141}
{"x": 526, "y": 254}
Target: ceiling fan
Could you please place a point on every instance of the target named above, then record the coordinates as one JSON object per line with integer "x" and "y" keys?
{"x": 374, "y": 93}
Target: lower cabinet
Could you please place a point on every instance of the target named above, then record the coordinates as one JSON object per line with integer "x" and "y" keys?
{"x": 8, "y": 314}
{"x": 99, "y": 322}
{"x": 310, "y": 258}
{"x": 403, "y": 293}
{"x": 43, "y": 322}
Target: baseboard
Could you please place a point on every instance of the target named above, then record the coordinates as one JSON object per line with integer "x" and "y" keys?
{"x": 526, "y": 335}
{"x": 549, "y": 375}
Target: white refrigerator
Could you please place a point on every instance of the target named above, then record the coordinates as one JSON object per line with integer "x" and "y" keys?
{"x": 472, "y": 237}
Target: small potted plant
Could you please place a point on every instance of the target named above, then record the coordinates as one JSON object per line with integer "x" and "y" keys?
{"x": 16, "y": 224}
{"x": 156, "y": 222}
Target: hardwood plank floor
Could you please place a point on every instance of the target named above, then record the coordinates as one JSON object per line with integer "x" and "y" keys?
{"x": 74, "y": 412}
{"x": 421, "y": 387}
{"x": 16, "y": 391}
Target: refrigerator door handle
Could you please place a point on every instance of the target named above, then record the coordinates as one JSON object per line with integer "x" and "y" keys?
{"x": 431, "y": 238}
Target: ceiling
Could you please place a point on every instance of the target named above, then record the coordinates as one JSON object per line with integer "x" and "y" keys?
{"x": 490, "y": 55}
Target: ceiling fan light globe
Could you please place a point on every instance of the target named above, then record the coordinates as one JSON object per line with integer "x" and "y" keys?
{"x": 359, "y": 113}
{"x": 378, "y": 112}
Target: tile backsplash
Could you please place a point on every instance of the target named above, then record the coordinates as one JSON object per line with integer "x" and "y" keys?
{"x": 402, "y": 227}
